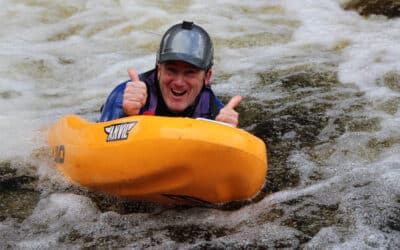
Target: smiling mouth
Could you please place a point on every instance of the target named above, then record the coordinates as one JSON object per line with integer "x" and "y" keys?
{"x": 177, "y": 92}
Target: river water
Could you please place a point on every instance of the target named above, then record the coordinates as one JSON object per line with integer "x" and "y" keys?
{"x": 321, "y": 87}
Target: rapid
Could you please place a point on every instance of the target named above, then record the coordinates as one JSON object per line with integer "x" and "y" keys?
{"x": 320, "y": 85}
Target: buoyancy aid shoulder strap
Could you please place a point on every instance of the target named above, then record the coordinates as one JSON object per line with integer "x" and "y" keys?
{"x": 208, "y": 105}
{"x": 149, "y": 78}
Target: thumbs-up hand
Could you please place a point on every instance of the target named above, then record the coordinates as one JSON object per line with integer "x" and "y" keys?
{"x": 135, "y": 94}
{"x": 228, "y": 114}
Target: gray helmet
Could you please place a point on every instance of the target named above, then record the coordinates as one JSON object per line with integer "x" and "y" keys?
{"x": 187, "y": 42}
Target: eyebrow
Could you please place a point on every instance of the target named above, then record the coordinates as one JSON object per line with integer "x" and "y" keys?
{"x": 187, "y": 65}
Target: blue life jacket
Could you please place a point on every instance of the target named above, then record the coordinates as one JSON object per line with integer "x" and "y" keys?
{"x": 207, "y": 104}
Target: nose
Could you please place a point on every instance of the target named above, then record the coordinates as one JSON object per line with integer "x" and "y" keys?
{"x": 179, "y": 79}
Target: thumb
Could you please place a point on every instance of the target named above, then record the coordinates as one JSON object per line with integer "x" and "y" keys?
{"x": 234, "y": 102}
{"x": 133, "y": 75}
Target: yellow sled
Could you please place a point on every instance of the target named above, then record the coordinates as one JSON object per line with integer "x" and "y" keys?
{"x": 162, "y": 159}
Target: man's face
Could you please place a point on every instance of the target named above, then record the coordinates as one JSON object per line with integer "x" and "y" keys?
{"x": 180, "y": 84}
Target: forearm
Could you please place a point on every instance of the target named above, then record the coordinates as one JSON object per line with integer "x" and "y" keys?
{"x": 112, "y": 108}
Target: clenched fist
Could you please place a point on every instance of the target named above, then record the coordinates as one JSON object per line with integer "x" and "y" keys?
{"x": 228, "y": 114}
{"x": 135, "y": 94}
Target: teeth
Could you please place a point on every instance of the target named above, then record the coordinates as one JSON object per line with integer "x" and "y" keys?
{"x": 177, "y": 92}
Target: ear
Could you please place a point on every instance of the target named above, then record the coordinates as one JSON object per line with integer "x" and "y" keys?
{"x": 158, "y": 71}
{"x": 207, "y": 79}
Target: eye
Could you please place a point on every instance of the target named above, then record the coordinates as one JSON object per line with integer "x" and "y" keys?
{"x": 171, "y": 69}
{"x": 191, "y": 72}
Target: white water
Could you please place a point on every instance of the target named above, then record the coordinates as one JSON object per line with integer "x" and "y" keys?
{"x": 59, "y": 57}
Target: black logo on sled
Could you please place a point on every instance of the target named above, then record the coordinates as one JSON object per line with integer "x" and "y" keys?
{"x": 117, "y": 132}
{"x": 186, "y": 199}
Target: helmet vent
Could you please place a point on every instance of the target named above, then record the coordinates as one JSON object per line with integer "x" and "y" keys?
{"x": 187, "y": 25}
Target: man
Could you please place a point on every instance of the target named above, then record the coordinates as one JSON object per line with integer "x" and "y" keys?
{"x": 178, "y": 86}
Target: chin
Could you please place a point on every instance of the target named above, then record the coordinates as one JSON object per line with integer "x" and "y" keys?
{"x": 177, "y": 106}
{"x": 176, "y": 110}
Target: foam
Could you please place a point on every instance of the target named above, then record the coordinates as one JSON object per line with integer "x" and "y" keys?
{"x": 60, "y": 210}
{"x": 372, "y": 51}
